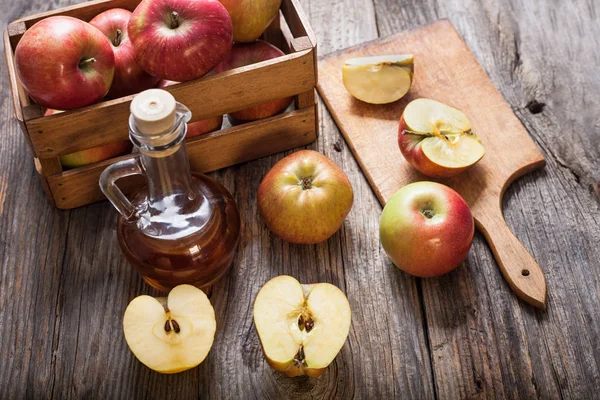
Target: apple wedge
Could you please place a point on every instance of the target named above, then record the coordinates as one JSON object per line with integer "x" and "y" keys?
{"x": 379, "y": 79}
{"x": 301, "y": 327}
{"x": 437, "y": 139}
{"x": 170, "y": 334}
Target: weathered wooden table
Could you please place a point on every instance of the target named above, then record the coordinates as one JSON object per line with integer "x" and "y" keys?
{"x": 64, "y": 283}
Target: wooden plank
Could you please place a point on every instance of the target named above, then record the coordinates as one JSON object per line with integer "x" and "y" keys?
{"x": 218, "y": 94}
{"x": 207, "y": 152}
{"x": 484, "y": 343}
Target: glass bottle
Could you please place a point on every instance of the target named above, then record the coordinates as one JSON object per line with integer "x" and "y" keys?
{"x": 180, "y": 227}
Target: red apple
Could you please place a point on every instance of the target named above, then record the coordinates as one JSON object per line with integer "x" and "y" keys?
{"x": 437, "y": 139}
{"x": 305, "y": 198}
{"x": 130, "y": 78}
{"x": 65, "y": 63}
{"x": 426, "y": 229}
{"x": 95, "y": 154}
{"x": 246, "y": 54}
{"x": 199, "y": 127}
{"x": 180, "y": 40}
{"x": 250, "y": 18}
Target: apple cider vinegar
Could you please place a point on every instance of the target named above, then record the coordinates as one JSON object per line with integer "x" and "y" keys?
{"x": 181, "y": 227}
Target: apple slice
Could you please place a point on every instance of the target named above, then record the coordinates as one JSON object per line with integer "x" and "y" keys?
{"x": 173, "y": 334}
{"x": 379, "y": 79}
{"x": 437, "y": 139}
{"x": 301, "y": 327}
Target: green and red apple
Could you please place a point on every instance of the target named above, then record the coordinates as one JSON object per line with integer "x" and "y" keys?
{"x": 180, "y": 40}
{"x": 251, "y": 53}
{"x": 426, "y": 229}
{"x": 95, "y": 154}
{"x": 301, "y": 327}
{"x": 171, "y": 334}
{"x": 130, "y": 78}
{"x": 250, "y": 18}
{"x": 305, "y": 198}
{"x": 437, "y": 139}
{"x": 65, "y": 63}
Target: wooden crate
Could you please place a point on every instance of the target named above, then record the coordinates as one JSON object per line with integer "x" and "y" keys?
{"x": 294, "y": 74}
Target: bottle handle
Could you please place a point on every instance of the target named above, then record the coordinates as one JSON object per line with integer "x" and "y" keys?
{"x": 112, "y": 192}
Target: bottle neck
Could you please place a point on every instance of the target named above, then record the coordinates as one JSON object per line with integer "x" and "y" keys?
{"x": 168, "y": 175}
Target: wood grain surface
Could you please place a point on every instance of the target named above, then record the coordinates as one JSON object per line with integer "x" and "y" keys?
{"x": 65, "y": 285}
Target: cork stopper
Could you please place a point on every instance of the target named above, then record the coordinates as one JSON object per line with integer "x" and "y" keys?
{"x": 153, "y": 111}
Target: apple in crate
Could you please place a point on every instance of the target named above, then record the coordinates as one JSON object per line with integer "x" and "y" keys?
{"x": 93, "y": 155}
{"x": 64, "y": 63}
{"x": 251, "y": 18}
{"x": 301, "y": 327}
{"x": 172, "y": 334}
{"x": 305, "y": 198}
{"x": 199, "y": 127}
{"x": 130, "y": 78}
{"x": 247, "y": 54}
{"x": 180, "y": 40}
{"x": 437, "y": 139}
{"x": 426, "y": 229}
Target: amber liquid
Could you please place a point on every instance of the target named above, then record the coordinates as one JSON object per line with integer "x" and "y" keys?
{"x": 183, "y": 240}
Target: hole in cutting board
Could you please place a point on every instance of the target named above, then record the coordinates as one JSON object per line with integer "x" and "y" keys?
{"x": 525, "y": 272}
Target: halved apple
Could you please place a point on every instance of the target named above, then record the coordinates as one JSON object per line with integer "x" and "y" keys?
{"x": 170, "y": 334}
{"x": 437, "y": 139}
{"x": 379, "y": 79}
{"x": 301, "y": 327}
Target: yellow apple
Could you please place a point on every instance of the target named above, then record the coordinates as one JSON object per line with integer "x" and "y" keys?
{"x": 301, "y": 327}
{"x": 173, "y": 334}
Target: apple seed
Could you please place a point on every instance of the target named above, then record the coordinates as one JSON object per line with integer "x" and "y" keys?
{"x": 167, "y": 326}
{"x": 175, "y": 326}
{"x": 301, "y": 322}
{"x": 309, "y": 325}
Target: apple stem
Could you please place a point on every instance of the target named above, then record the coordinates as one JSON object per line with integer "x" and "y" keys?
{"x": 84, "y": 62}
{"x": 174, "y": 19}
{"x": 306, "y": 182}
{"x": 428, "y": 213}
{"x": 118, "y": 38}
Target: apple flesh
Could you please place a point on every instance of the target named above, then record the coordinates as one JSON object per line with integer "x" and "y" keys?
{"x": 93, "y": 155}
{"x": 437, "y": 139}
{"x": 378, "y": 79}
{"x": 305, "y": 198}
{"x": 64, "y": 63}
{"x": 199, "y": 127}
{"x": 130, "y": 78}
{"x": 301, "y": 327}
{"x": 173, "y": 334}
{"x": 251, "y": 18}
{"x": 180, "y": 40}
{"x": 246, "y": 54}
{"x": 426, "y": 229}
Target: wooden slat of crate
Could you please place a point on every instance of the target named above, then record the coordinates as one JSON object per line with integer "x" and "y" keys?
{"x": 207, "y": 153}
{"x": 219, "y": 94}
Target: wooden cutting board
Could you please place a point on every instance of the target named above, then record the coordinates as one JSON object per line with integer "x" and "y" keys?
{"x": 446, "y": 71}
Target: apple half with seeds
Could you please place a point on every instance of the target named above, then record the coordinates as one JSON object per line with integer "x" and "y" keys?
{"x": 301, "y": 327}
{"x": 172, "y": 334}
{"x": 437, "y": 139}
{"x": 378, "y": 79}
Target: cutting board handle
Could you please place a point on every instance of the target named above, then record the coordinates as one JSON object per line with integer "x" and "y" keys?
{"x": 520, "y": 270}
